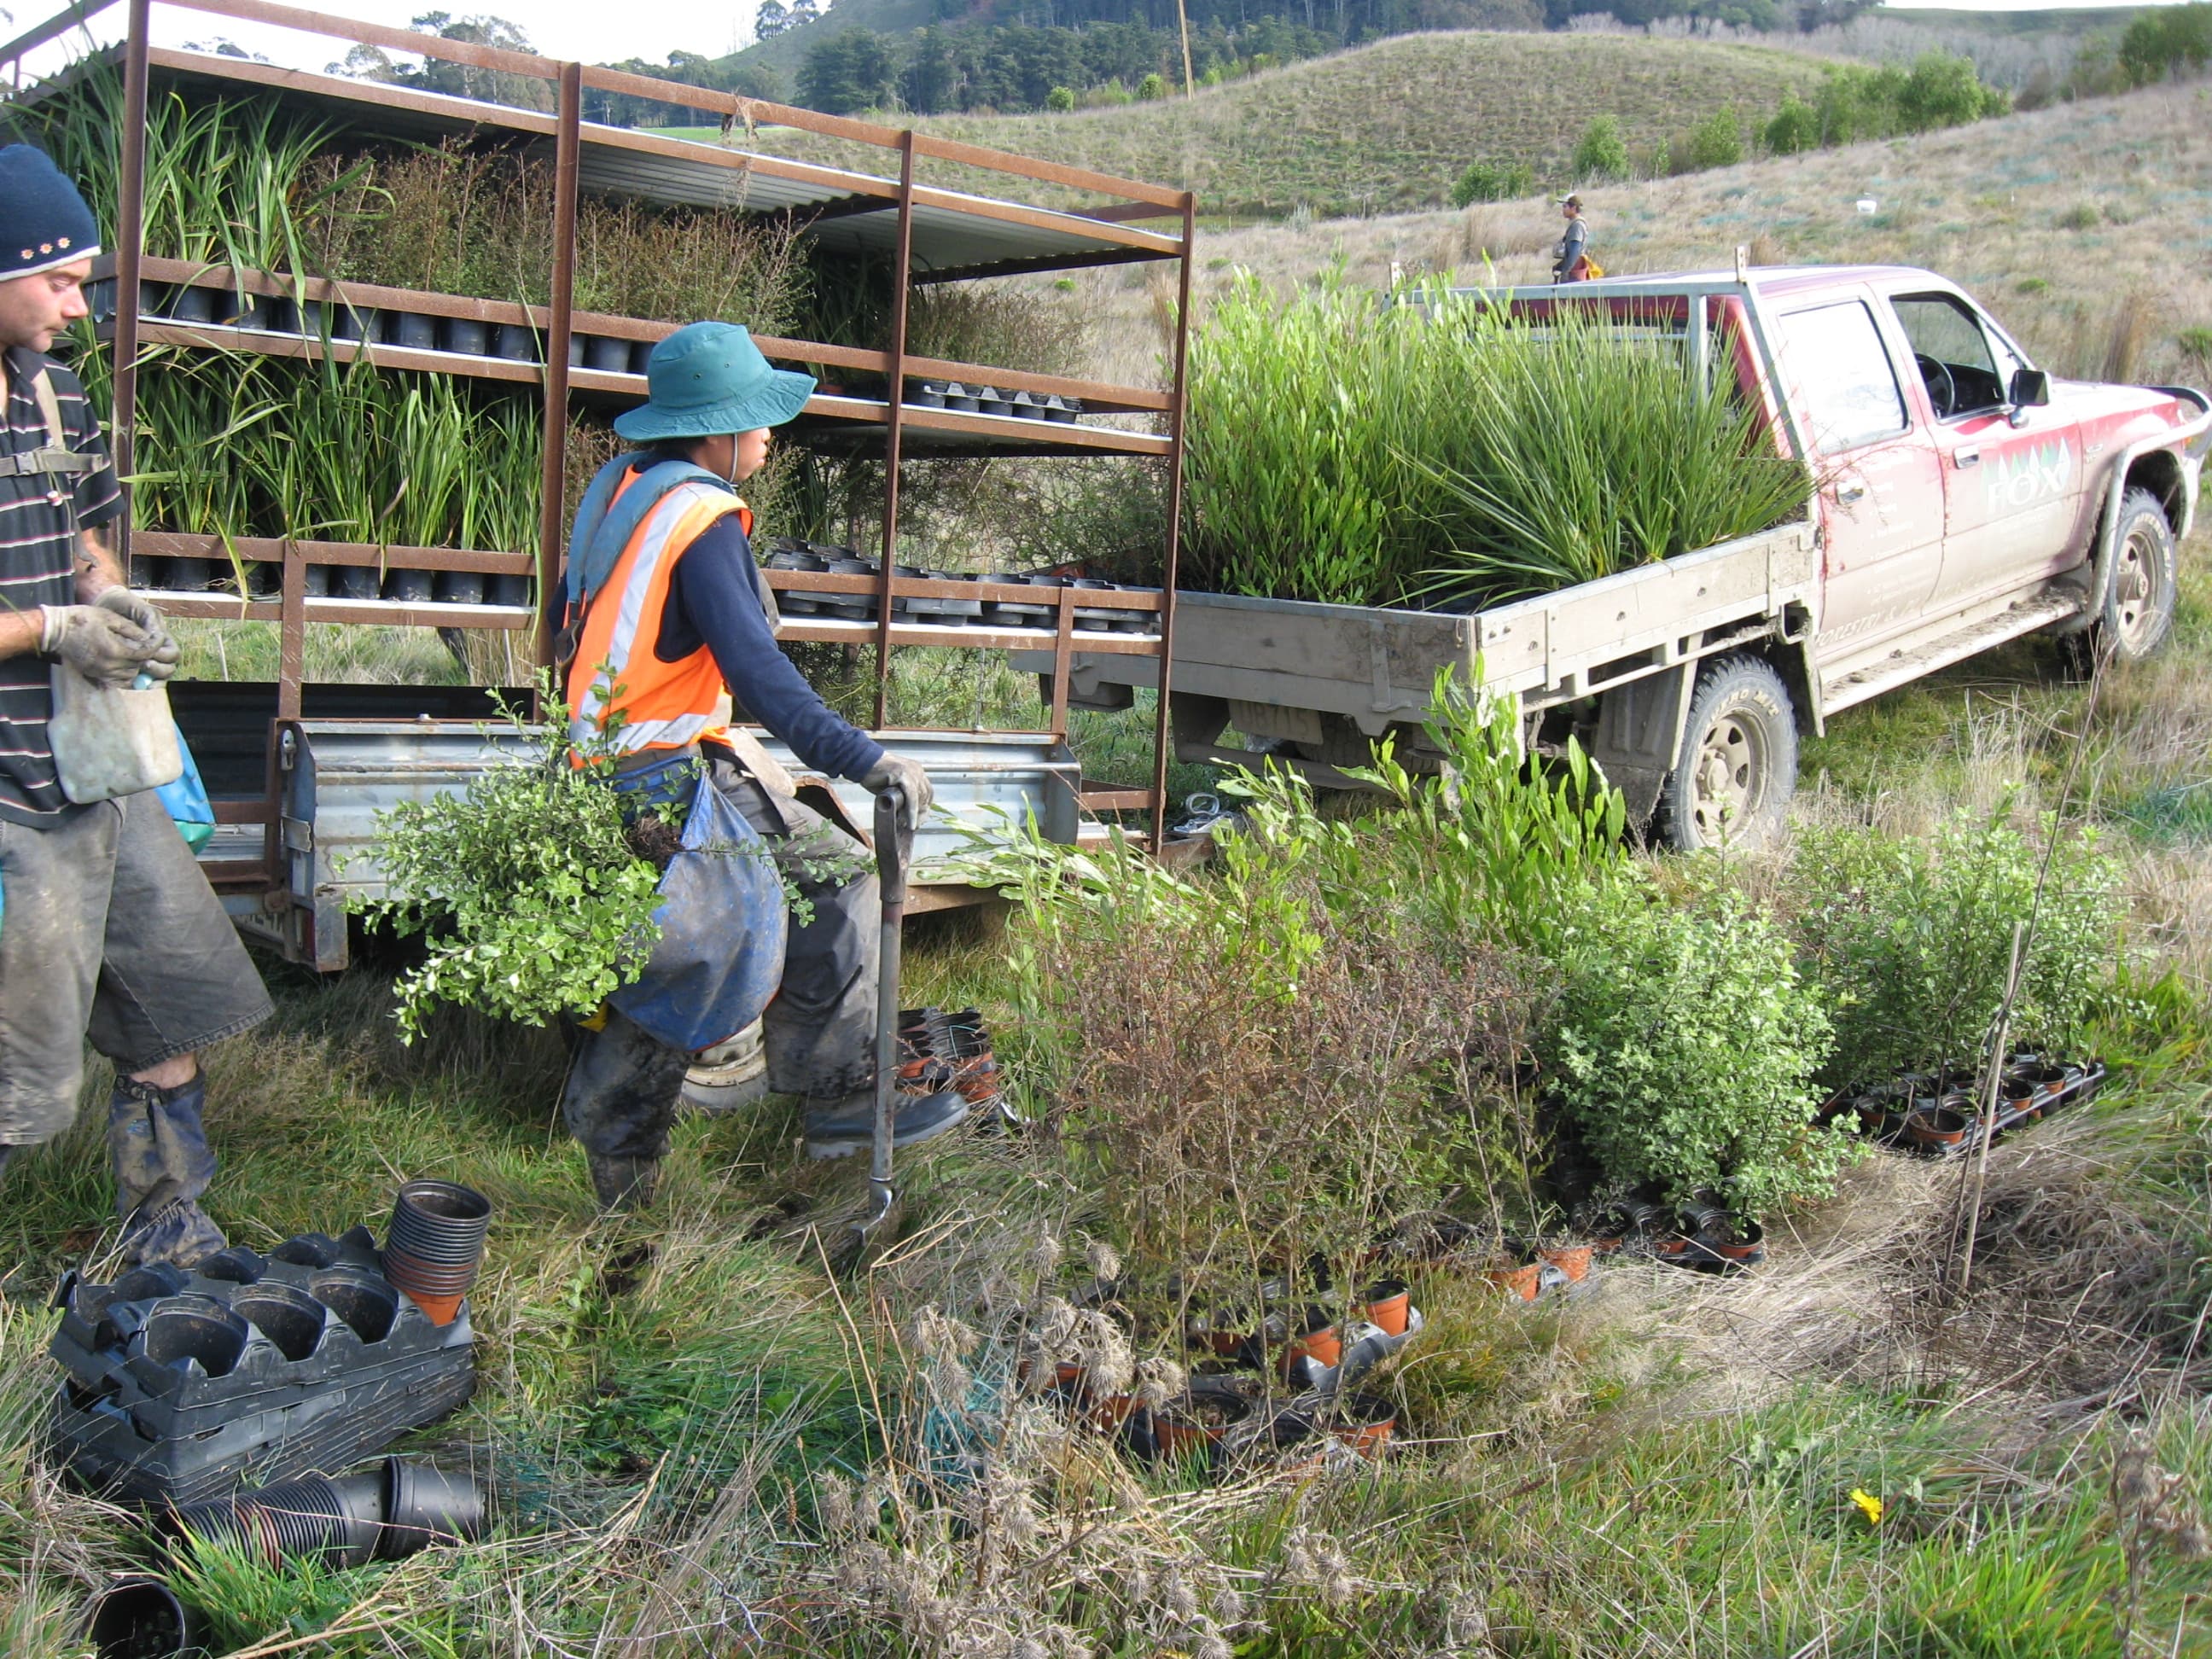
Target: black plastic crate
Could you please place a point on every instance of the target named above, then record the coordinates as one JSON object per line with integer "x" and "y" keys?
{"x": 178, "y": 1384}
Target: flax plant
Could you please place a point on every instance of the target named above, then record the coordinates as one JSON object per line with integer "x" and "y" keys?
{"x": 1450, "y": 454}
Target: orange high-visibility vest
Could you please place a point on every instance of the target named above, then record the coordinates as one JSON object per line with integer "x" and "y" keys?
{"x": 661, "y": 705}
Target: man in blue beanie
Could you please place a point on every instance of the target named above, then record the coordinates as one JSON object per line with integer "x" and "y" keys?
{"x": 108, "y": 930}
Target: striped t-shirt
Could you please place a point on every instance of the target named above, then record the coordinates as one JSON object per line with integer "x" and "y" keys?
{"x": 36, "y": 567}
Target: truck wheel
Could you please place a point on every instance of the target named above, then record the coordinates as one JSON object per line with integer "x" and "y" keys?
{"x": 2139, "y": 610}
{"x": 1732, "y": 781}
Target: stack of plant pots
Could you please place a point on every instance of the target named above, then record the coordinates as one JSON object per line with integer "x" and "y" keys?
{"x": 388, "y": 1512}
{"x": 436, "y": 1245}
{"x": 176, "y": 1382}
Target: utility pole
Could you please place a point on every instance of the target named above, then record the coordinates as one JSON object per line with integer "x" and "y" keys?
{"x": 1182, "y": 19}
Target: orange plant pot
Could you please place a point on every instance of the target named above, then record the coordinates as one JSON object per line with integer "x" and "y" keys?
{"x": 1521, "y": 1282}
{"x": 1572, "y": 1260}
{"x": 439, "y": 1309}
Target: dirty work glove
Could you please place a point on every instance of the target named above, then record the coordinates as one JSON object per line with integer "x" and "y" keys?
{"x": 125, "y": 603}
{"x": 106, "y": 648}
{"x": 911, "y": 782}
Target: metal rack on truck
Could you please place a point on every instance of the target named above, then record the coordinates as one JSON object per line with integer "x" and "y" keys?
{"x": 275, "y": 859}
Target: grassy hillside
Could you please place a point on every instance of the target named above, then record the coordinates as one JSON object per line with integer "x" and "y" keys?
{"x": 1386, "y": 126}
{"x": 2082, "y": 227}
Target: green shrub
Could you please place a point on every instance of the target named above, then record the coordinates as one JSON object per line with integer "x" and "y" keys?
{"x": 1059, "y": 99}
{"x": 2083, "y": 216}
{"x": 1601, "y": 153}
{"x": 1682, "y": 1050}
{"x": 1492, "y": 181}
{"x": 1152, "y": 87}
{"x": 2166, "y": 41}
{"x": 1910, "y": 940}
{"x": 1716, "y": 141}
{"x": 1345, "y": 453}
{"x": 524, "y": 888}
{"x": 1494, "y": 843}
{"x": 1794, "y": 127}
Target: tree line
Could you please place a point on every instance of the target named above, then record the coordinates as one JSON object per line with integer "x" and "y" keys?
{"x": 1008, "y": 68}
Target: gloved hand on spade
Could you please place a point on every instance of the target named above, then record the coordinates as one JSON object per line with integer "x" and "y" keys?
{"x": 908, "y": 777}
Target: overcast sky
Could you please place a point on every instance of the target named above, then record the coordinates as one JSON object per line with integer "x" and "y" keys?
{"x": 593, "y": 30}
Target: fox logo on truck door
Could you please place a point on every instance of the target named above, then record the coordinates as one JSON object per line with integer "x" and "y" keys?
{"x": 2022, "y": 477}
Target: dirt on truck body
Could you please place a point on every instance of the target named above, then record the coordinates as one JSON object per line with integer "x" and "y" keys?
{"x": 1958, "y": 497}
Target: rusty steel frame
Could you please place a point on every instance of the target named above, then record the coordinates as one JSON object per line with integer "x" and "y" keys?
{"x": 1138, "y": 199}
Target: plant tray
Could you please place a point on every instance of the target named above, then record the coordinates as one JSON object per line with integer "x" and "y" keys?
{"x": 178, "y": 1383}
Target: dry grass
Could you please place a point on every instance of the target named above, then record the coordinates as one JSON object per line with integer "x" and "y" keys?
{"x": 1984, "y": 205}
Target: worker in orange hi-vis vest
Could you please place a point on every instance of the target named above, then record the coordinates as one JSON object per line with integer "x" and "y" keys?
{"x": 668, "y": 617}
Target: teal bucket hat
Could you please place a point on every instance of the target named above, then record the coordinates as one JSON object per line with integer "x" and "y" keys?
{"x": 708, "y": 379}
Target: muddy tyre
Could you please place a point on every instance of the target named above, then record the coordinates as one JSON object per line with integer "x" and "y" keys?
{"x": 1737, "y": 766}
{"x": 2138, "y": 609}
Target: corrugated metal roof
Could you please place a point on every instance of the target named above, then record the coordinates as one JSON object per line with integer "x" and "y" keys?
{"x": 946, "y": 236}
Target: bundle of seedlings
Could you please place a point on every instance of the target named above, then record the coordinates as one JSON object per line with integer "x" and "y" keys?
{"x": 1450, "y": 455}
{"x": 533, "y": 891}
{"x": 234, "y": 445}
{"x": 250, "y": 182}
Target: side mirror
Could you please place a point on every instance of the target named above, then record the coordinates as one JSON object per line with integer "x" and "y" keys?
{"x": 2031, "y": 388}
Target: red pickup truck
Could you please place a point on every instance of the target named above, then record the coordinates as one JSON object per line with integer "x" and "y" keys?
{"x": 1958, "y": 496}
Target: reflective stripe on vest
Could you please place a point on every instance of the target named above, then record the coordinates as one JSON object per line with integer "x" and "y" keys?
{"x": 663, "y": 705}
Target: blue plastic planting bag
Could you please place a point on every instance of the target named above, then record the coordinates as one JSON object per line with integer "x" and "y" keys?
{"x": 187, "y": 802}
{"x": 719, "y": 958}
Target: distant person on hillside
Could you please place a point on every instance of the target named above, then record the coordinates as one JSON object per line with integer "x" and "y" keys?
{"x": 1569, "y": 260}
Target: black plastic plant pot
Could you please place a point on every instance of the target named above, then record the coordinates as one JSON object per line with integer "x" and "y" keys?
{"x": 313, "y": 319}
{"x": 607, "y": 355}
{"x": 423, "y": 1278}
{"x": 317, "y": 579}
{"x": 358, "y": 582}
{"x": 516, "y": 341}
{"x": 235, "y": 1264}
{"x": 468, "y": 336}
{"x": 409, "y": 586}
{"x": 279, "y": 315}
{"x": 356, "y": 322}
{"x": 460, "y": 587}
{"x": 139, "y": 1617}
{"x": 193, "y": 305}
{"x": 149, "y": 575}
{"x": 423, "y": 1505}
{"x": 640, "y": 355}
{"x": 513, "y": 591}
{"x": 192, "y": 575}
{"x": 411, "y": 330}
{"x": 287, "y": 1522}
{"x": 1063, "y": 409}
{"x": 440, "y": 1222}
{"x": 575, "y": 351}
{"x": 926, "y": 394}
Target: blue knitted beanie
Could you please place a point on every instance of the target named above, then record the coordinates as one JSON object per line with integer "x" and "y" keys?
{"x": 44, "y": 223}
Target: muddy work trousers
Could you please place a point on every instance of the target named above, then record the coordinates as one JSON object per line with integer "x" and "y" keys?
{"x": 111, "y": 933}
{"x": 820, "y": 1031}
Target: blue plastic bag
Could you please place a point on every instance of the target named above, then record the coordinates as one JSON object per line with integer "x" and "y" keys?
{"x": 723, "y": 925}
{"x": 186, "y": 800}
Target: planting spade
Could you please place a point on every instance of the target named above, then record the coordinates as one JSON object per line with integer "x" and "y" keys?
{"x": 859, "y": 1243}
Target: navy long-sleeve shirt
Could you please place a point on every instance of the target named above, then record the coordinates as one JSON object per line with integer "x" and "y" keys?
{"x": 713, "y": 601}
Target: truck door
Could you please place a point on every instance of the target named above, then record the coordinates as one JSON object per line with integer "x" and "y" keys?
{"x": 1880, "y": 479}
{"x": 2010, "y": 493}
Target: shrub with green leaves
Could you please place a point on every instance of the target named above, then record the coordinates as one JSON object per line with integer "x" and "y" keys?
{"x": 1492, "y": 181}
{"x": 1716, "y": 141}
{"x": 1683, "y": 1048}
{"x": 1794, "y": 127}
{"x": 1911, "y": 938}
{"x": 524, "y": 888}
{"x": 1446, "y": 452}
{"x": 1601, "y": 153}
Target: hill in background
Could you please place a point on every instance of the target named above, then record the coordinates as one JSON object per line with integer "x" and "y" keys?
{"x": 1381, "y": 128}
